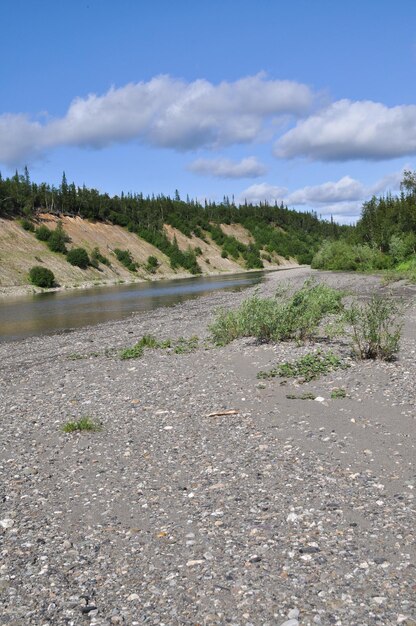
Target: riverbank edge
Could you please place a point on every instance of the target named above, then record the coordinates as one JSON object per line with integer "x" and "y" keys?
{"x": 27, "y": 290}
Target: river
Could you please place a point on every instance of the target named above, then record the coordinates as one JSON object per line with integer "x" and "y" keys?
{"x": 47, "y": 313}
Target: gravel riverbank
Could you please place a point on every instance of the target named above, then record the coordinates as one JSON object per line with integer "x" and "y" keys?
{"x": 288, "y": 511}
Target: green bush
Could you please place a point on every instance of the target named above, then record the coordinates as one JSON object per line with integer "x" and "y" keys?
{"x": 340, "y": 255}
{"x": 124, "y": 256}
{"x": 152, "y": 264}
{"x": 27, "y": 225}
{"x": 57, "y": 241}
{"x": 78, "y": 257}
{"x": 97, "y": 257}
{"x": 278, "y": 319}
{"x": 43, "y": 233}
{"x": 41, "y": 277}
{"x": 375, "y": 328}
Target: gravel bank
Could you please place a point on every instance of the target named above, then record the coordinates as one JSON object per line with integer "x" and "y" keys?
{"x": 288, "y": 512}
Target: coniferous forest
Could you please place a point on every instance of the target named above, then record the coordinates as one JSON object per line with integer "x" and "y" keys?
{"x": 383, "y": 238}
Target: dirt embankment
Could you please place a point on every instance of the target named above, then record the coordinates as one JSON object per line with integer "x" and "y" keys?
{"x": 20, "y": 250}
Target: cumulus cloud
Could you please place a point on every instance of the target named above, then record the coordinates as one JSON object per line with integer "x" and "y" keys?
{"x": 348, "y": 130}
{"x": 345, "y": 189}
{"x": 249, "y": 167}
{"x": 163, "y": 112}
{"x": 262, "y": 192}
{"x": 342, "y": 198}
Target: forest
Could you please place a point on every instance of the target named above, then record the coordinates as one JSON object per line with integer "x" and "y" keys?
{"x": 384, "y": 238}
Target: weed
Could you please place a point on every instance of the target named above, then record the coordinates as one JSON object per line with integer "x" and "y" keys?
{"x": 147, "y": 341}
{"x": 185, "y": 346}
{"x": 281, "y": 318}
{"x": 375, "y": 329}
{"x": 304, "y": 396}
{"x": 180, "y": 346}
{"x": 84, "y": 423}
{"x": 338, "y": 393}
{"x": 307, "y": 368}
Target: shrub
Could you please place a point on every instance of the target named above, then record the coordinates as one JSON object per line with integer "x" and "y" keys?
{"x": 375, "y": 329}
{"x": 27, "y": 225}
{"x": 278, "y": 319}
{"x": 57, "y": 240}
{"x": 43, "y": 233}
{"x": 97, "y": 257}
{"x": 338, "y": 393}
{"x": 152, "y": 264}
{"x": 41, "y": 277}
{"x": 78, "y": 257}
{"x": 124, "y": 256}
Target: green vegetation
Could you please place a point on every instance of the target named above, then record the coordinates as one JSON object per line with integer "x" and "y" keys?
{"x": 338, "y": 393}
{"x": 84, "y": 423}
{"x": 41, "y": 277}
{"x": 276, "y": 228}
{"x": 282, "y": 318}
{"x": 124, "y": 256}
{"x": 303, "y": 396}
{"x": 27, "y": 225}
{"x": 43, "y": 233}
{"x": 375, "y": 328}
{"x": 383, "y": 239}
{"x": 152, "y": 264}
{"x": 78, "y": 257}
{"x": 58, "y": 239}
{"x": 179, "y": 346}
{"x": 97, "y": 258}
{"x": 307, "y": 368}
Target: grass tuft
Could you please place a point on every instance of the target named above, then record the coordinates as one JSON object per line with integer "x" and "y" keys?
{"x": 84, "y": 423}
{"x": 308, "y": 367}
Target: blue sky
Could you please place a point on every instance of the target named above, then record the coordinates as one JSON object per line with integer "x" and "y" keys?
{"x": 309, "y": 103}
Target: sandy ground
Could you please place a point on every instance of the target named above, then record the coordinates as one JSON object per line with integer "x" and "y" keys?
{"x": 287, "y": 511}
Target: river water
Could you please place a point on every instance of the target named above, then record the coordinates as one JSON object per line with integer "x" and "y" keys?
{"x": 47, "y": 313}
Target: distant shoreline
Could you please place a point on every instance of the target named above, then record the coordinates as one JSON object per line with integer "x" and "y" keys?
{"x": 17, "y": 291}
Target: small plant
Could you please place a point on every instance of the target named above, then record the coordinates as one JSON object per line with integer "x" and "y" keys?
{"x": 78, "y": 257}
{"x": 84, "y": 423}
{"x": 375, "y": 329}
{"x": 57, "y": 240}
{"x": 124, "y": 256}
{"x": 41, "y": 277}
{"x": 185, "y": 346}
{"x": 304, "y": 396}
{"x": 179, "y": 346}
{"x": 27, "y": 225}
{"x": 97, "y": 258}
{"x": 147, "y": 341}
{"x": 43, "y": 233}
{"x": 152, "y": 264}
{"x": 338, "y": 393}
{"x": 308, "y": 367}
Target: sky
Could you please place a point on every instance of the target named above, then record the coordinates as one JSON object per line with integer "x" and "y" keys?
{"x": 309, "y": 103}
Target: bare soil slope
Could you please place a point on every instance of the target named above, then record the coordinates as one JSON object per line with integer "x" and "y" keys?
{"x": 20, "y": 250}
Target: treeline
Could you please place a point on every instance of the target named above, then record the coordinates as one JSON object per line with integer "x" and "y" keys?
{"x": 274, "y": 228}
{"x": 383, "y": 239}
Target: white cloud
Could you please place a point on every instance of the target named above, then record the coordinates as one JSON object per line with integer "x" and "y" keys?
{"x": 163, "y": 112}
{"x": 249, "y": 167}
{"x": 262, "y": 192}
{"x": 342, "y": 198}
{"x": 348, "y": 130}
{"x": 345, "y": 189}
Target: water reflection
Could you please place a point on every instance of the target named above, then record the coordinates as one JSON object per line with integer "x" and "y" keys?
{"x": 51, "y": 312}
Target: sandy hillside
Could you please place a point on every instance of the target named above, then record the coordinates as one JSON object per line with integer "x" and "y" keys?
{"x": 20, "y": 250}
